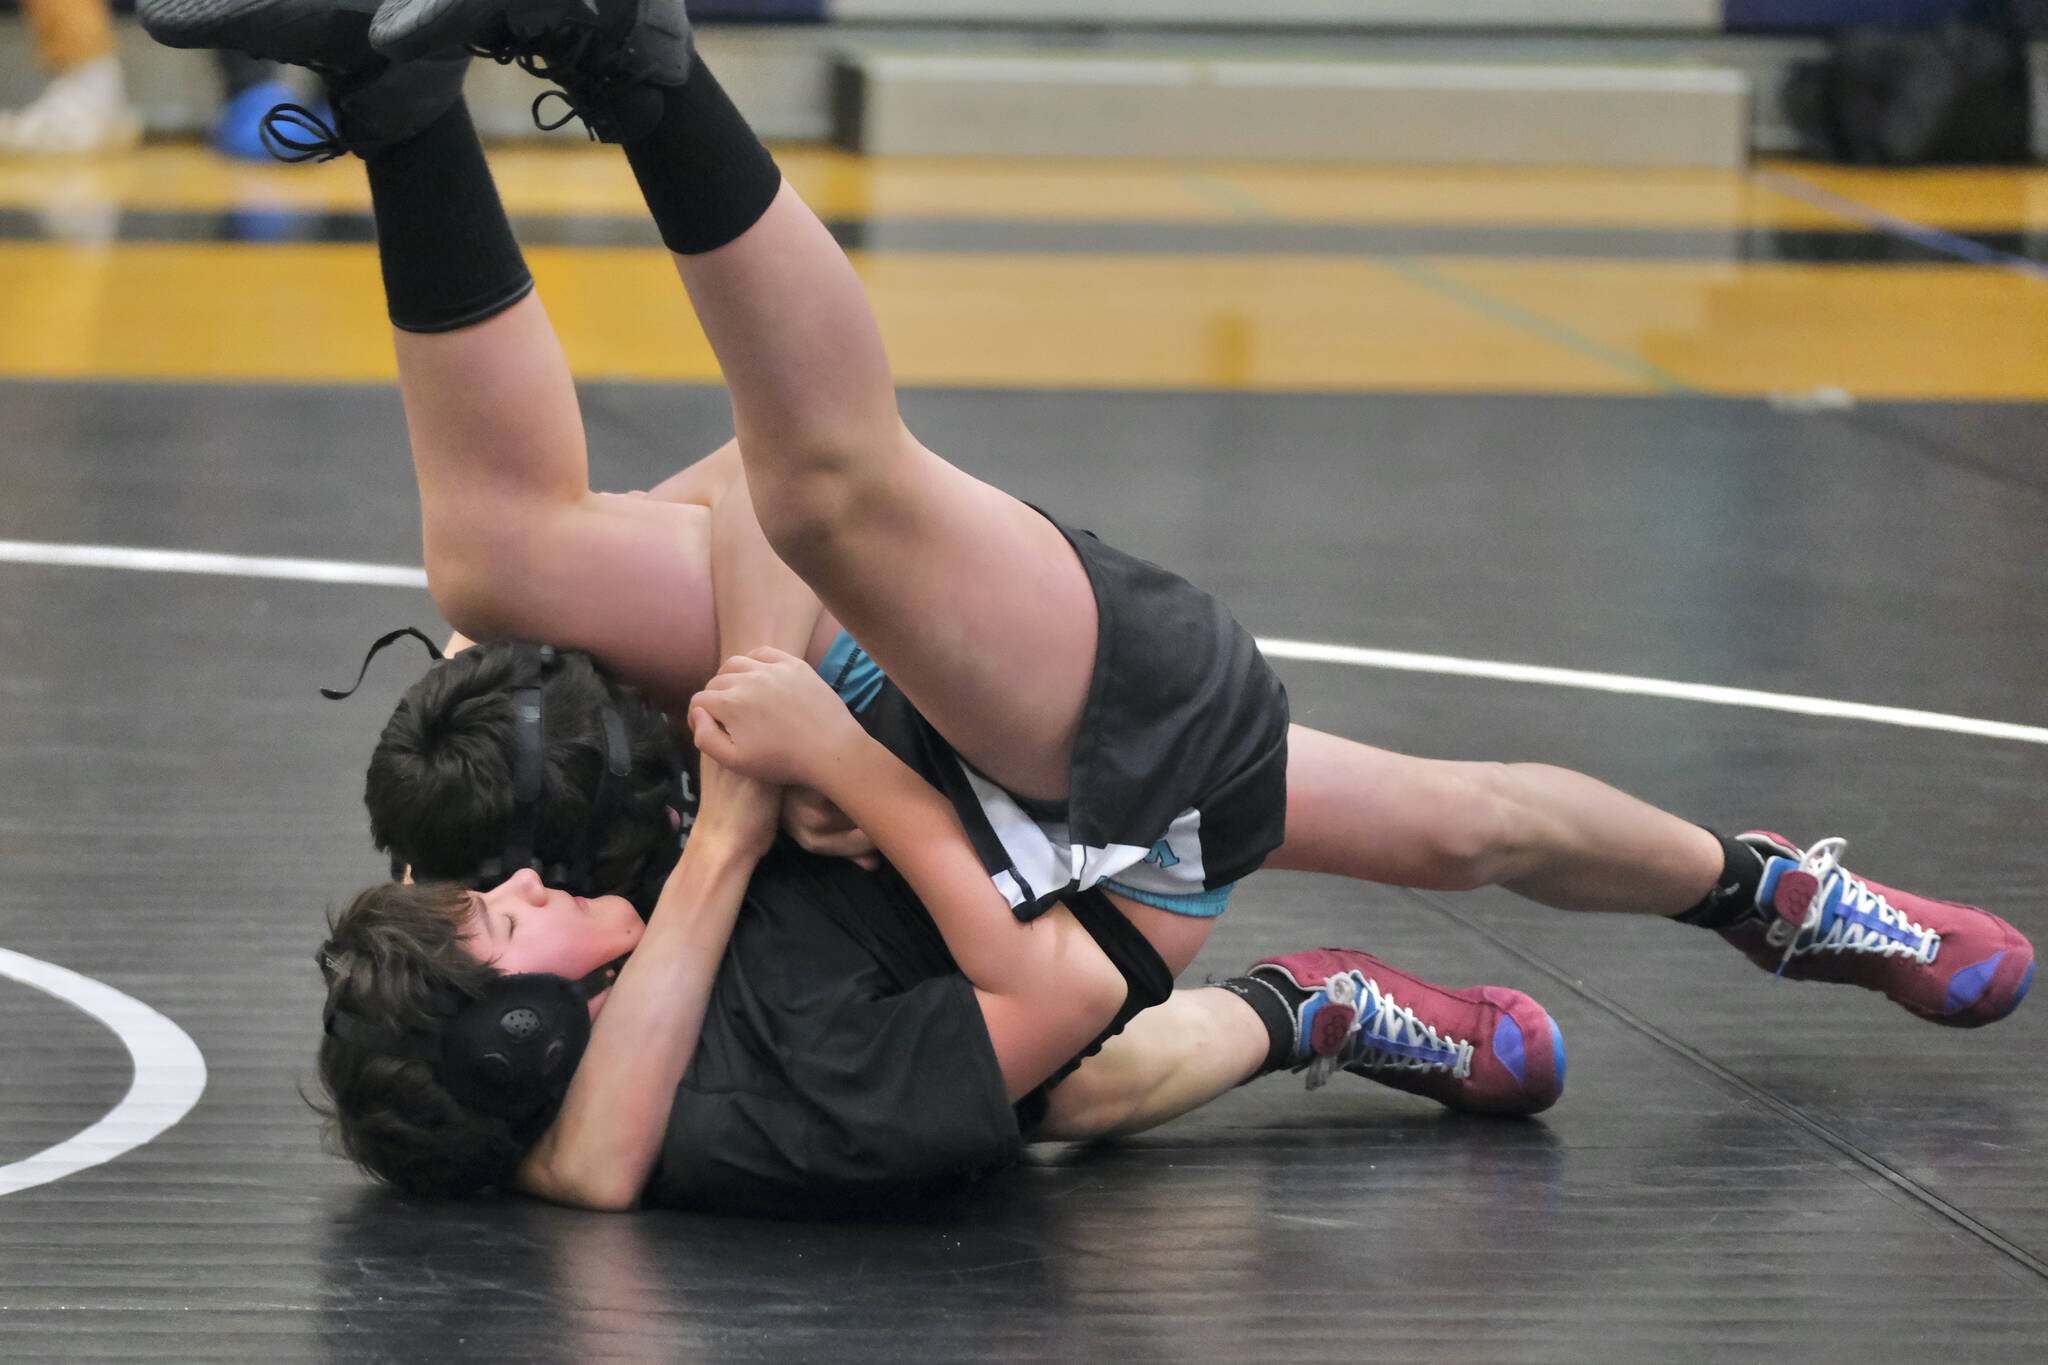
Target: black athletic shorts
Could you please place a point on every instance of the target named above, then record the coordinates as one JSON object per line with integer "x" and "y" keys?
{"x": 1178, "y": 784}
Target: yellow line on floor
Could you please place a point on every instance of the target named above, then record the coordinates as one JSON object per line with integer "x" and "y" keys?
{"x": 1280, "y": 323}
{"x": 557, "y": 179}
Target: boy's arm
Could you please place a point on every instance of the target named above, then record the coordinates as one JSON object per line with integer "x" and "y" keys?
{"x": 761, "y": 602}
{"x": 1046, "y": 989}
{"x": 701, "y": 483}
{"x": 602, "y": 1146}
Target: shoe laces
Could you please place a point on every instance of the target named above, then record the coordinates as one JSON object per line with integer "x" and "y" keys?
{"x": 294, "y": 133}
{"x": 1385, "y": 1036}
{"x": 563, "y": 60}
{"x": 1865, "y": 922}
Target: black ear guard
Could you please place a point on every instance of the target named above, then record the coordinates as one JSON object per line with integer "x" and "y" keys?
{"x": 531, "y": 664}
{"x": 509, "y": 1053}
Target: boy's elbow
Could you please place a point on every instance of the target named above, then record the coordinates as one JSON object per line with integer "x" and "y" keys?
{"x": 610, "y": 1199}
{"x": 602, "y": 1190}
{"x": 600, "y": 1195}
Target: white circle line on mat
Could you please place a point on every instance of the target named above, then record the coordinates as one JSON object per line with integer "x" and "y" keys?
{"x": 170, "y": 1074}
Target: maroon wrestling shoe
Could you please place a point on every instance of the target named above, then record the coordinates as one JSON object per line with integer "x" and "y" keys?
{"x": 1817, "y": 921}
{"x": 1487, "y": 1050}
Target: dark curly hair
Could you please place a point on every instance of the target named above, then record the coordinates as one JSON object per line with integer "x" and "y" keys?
{"x": 395, "y": 954}
{"x": 439, "y": 789}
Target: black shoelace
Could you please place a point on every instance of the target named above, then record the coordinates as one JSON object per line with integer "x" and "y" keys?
{"x": 293, "y": 133}
{"x": 566, "y": 61}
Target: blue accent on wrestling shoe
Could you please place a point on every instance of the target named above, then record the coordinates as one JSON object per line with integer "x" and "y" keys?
{"x": 1831, "y": 909}
{"x": 237, "y": 132}
{"x": 2025, "y": 982}
{"x": 1767, "y": 889}
{"x": 1868, "y": 919}
{"x": 1507, "y": 1046}
{"x": 1556, "y": 1049}
{"x": 1969, "y": 983}
{"x": 1305, "y": 1023}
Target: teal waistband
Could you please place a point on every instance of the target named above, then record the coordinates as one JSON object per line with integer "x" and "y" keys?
{"x": 1194, "y": 904}
{"x": 853, "y": 675}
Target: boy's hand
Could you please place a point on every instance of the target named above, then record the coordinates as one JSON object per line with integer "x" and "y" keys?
{"x": 817, "y": 825}
{"x": 737, "y": 808}
{"x": 769, "y": 715}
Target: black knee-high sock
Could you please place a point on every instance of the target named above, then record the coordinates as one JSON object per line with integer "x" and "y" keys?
{"x": 1733, "y": 897}
{"x": 704, "y": 174}
{"x": 448, "y": 253}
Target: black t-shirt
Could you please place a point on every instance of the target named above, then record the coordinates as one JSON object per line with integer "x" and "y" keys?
{"x": 843, "y": 1063}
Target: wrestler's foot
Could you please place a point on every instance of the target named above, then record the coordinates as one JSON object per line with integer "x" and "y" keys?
{"x": 610, "y": 57}
{"x": 1486, "y": 1050}
{"x": 376, "y": 102}
{"x": 327, "y": 35}
{"x": 1817, "y": 921}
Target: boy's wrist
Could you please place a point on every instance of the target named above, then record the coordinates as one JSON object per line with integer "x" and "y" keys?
{"x": 728, "y": 839}
{"x": 841, "y": 764}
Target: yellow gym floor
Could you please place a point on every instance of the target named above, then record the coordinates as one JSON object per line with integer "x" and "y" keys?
{"x": 1784, "y": 280}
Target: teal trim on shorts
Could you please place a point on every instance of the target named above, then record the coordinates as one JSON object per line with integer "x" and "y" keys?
{"x": 1195, "y": 904}
{"x": 853, "y": 675}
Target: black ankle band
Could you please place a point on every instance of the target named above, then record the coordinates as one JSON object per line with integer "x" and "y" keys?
{"x": 1733, "y": 898}
{"x": 448, "y": 253}
{"x": 1269, "y": 1002}
{"x": 704, "y": 174}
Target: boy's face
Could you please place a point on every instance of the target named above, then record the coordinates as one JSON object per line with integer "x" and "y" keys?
{"x": 521, "y": 925}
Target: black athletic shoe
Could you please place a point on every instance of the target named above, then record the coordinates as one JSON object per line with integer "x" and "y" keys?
{"x": 376, "y": 101}
{"x": 327, "y": 35}
{"x": 610, "y": 57}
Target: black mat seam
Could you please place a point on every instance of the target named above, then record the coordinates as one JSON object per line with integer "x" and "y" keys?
{"x": 1745, "y": 244}
{"x": 1784, "y": 1109}
{"x": 1917, "y": 444}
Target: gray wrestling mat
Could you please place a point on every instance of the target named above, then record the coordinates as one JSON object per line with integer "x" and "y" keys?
{"x": 1740, "y": 1169}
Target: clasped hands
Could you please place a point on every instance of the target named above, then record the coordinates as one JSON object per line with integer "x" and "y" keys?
{"x": 768, "y": 717}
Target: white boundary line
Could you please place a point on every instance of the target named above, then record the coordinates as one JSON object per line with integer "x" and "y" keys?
{"x": 193, "y": 561}
{"x": 399, "y": 576}
{"x": 1649, "y": 687}
{"x": 170, "y": 1074}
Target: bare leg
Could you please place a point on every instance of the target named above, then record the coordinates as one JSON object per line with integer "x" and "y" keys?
{"x": 517, "y": 545}
{"x": 1557, "y": 837}
{"x": 947, "y": 582}
{"x": 1174, "y": 1057}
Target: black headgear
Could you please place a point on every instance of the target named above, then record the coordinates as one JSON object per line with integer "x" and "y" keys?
{"x": 508, "y": 1053}
{"x": 531, "y": 664}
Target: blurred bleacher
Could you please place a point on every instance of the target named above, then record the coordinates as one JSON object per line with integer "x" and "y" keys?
{"x": 1618, "y": 82}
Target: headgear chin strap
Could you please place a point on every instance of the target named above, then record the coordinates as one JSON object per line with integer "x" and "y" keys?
{"x": 509, "y": 1053}
{"x": 376, "y": 648}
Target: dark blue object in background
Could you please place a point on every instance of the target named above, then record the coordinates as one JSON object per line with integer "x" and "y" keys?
{"x": 758, "y": 11}
{"x": 1809, "y": 16}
